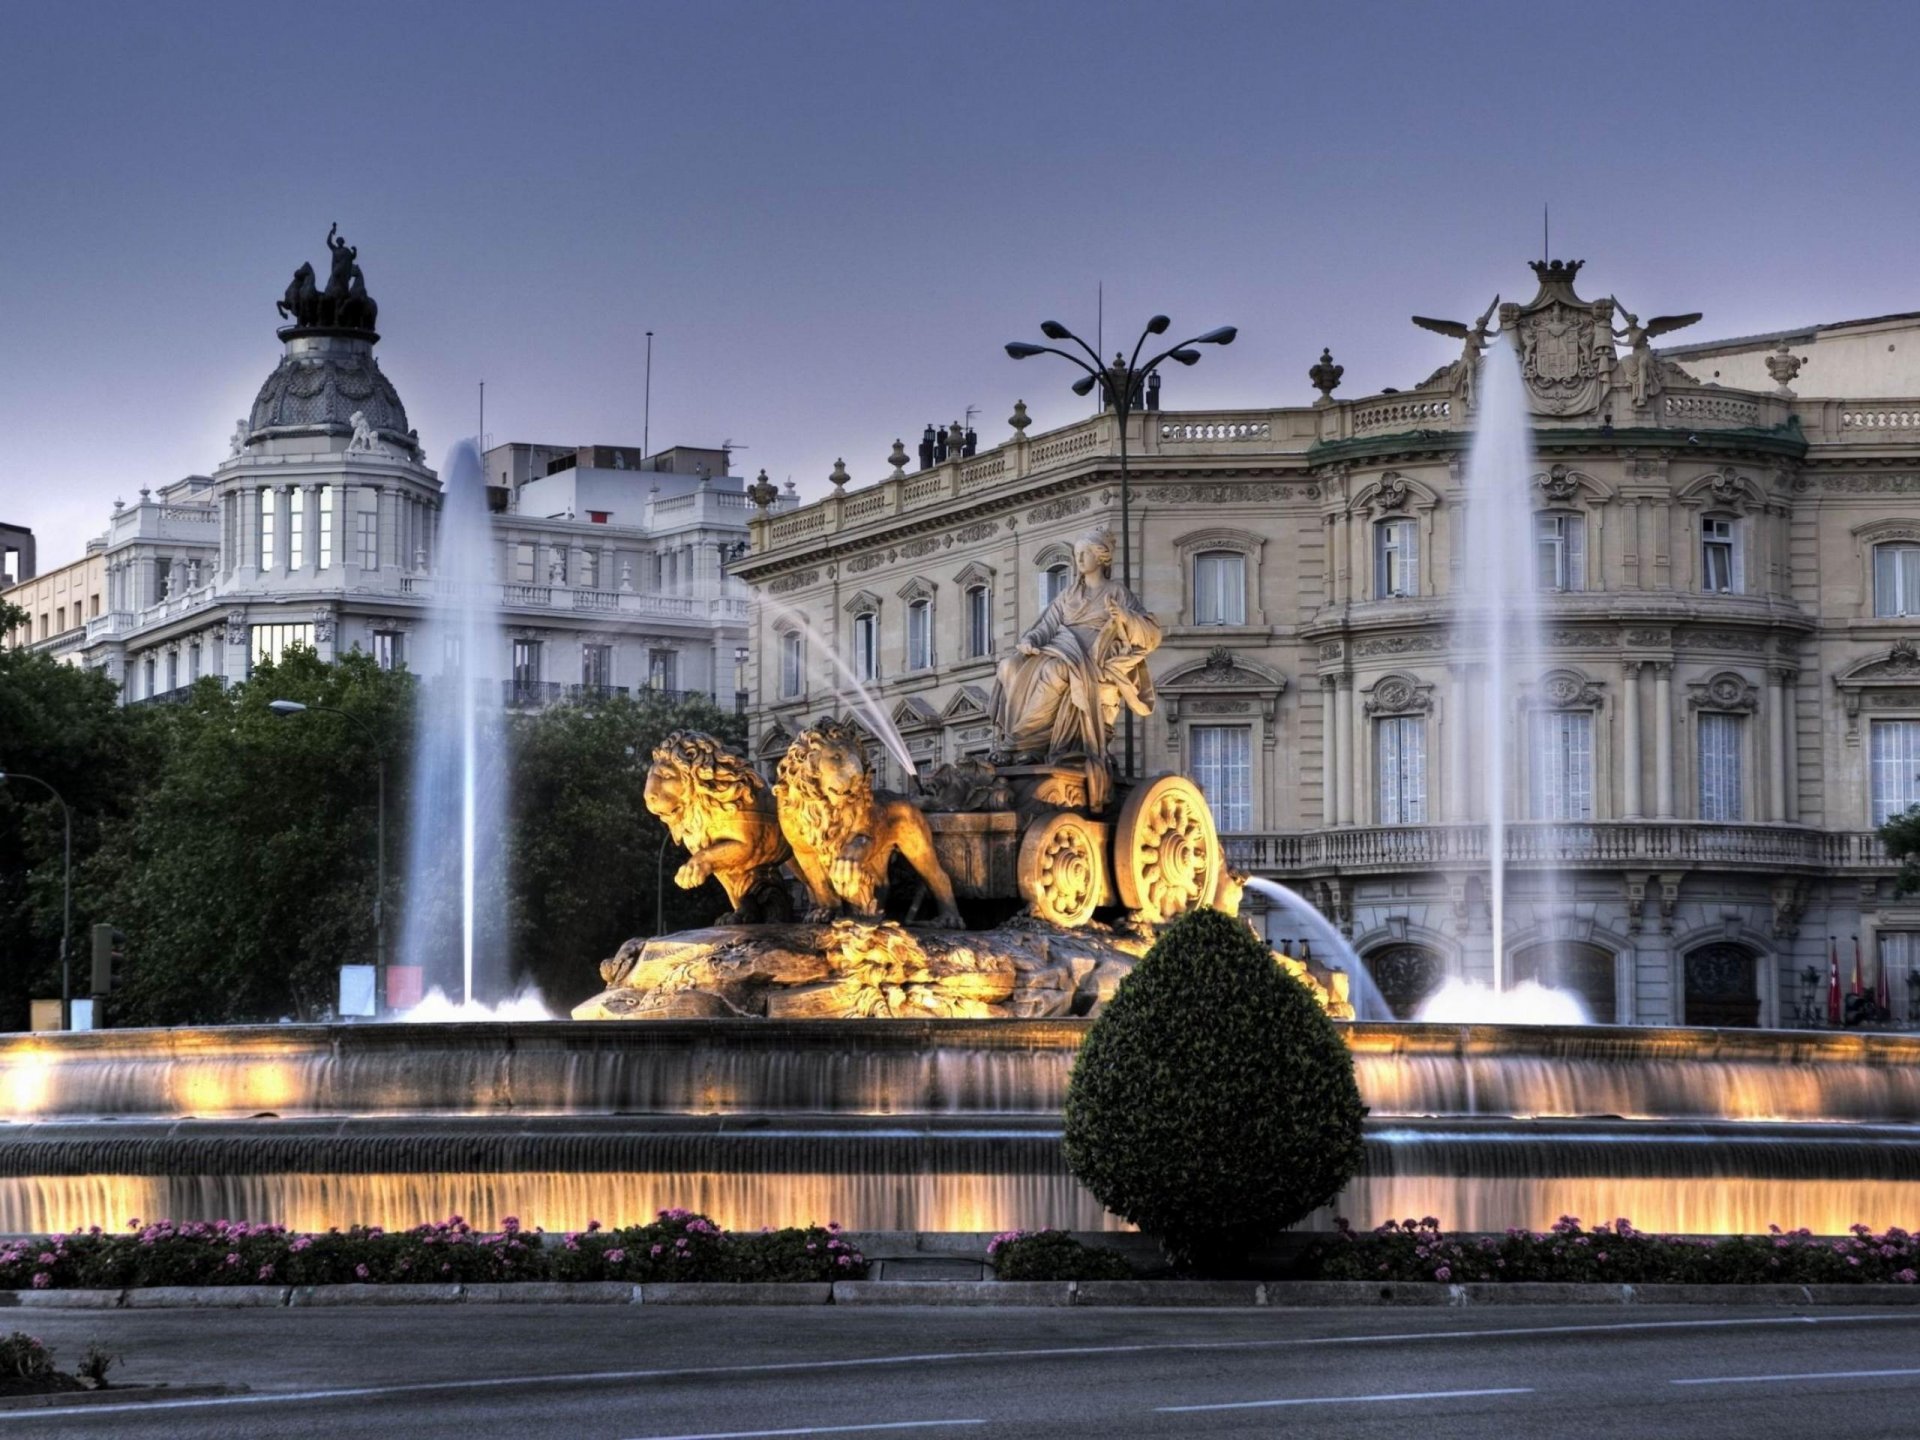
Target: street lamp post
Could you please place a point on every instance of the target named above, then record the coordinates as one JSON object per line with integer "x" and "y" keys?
{"x": 1121, "y": 382}
{"x": 294, "y": 707}
{"x": 66, "y": 902}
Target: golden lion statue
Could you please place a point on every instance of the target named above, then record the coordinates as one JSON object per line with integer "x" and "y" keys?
{"x": 844, "y": 832}
{"x": 722, "y": 813}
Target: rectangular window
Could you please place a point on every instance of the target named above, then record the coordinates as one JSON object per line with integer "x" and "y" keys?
{"x": 269, "y": 551}
{"x": 1396, "y": 559}
{"x": 1720, "y": 556}
{"x": 1223, "y": 769}
{"x": 599, "y": 517}
{"x": 1220, "y": 588}
{"x": 452, "y": 652}
{"x": 1900, "y": 958}
{"x": 60, "y": 616}
{"x": 366, "y": 525}
{"x": 1560, "y": 552}
{"x": 979, "y": 621}
{"x": 389, "y": 649}
{"x": 1053, "y": 582}
{"x": 1896, "y": 579}
{"x": 271, "y": 642}
{"x": 1562, "y": 765}
{"x": 920, "y": 635}
{"x": 1400, "y": 763}
{"x": 526, "y": 663}
{"x": 173, "y": 670}
{"x": 1895, "y": 764}
{"x": 1720, "y": 766}
{"x": 523, "y": 559}
{"x": 866, "y": 646}
{"x": 791, "y": 671}
{"x": 162, "y": 570}
{"x": 663, "y": 669}
{"x": 596, "y": 666}
{"x": 193, "y": 662}
{"x": 325, "y": 547}
{"x": 590, "y": 569}
{"x": 296, "y": 531}
{"x": 93, "y": 605}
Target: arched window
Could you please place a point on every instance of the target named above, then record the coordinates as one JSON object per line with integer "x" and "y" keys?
{"x": 1560, "y": 551}
{"x": 1722, "y": 987}
{"x": 1896, "y": 579}
{"x": 1585, "y": 969}
{"x": 1396, "y": 559}
{"x": 1052, "y": 581}
{"x": 1405, "y": 976}
{"x": 1219, "y": 588}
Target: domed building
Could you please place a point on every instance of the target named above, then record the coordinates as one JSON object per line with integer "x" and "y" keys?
{"x": 1727, "y": 550}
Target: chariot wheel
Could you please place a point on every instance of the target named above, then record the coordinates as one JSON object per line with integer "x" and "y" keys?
{"x": 1166, "y": 852}
{"x": 1060, "y": 861}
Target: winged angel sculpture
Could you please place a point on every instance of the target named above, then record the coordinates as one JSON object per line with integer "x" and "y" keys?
{"x": 1640, "y": 359}
{"x": 1476, "y": 336}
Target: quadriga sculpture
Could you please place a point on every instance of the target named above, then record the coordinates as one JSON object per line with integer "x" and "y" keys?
{"x": 844, "y": 832}
{"x": 717, "y": 809}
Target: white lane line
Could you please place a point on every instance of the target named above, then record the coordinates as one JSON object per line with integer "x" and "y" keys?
{"x": 1049, "y": 1352}
{"x": 1342, "y": 1400}
{"x": 816, "y": 1430}
{"x": 1806, "y": 1375}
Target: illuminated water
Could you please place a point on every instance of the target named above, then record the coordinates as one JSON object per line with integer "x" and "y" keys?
{"x": 1305, "y": 922}
{"x": 1466, "y": 1002}
{"x": 872, "y": 713}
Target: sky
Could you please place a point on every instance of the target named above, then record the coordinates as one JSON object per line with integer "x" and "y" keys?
{"x": 833, "y": 215}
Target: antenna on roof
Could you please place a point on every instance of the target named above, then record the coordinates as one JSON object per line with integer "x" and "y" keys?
{"x": 646, "y": 407}
{"x": 1546, "y": 233}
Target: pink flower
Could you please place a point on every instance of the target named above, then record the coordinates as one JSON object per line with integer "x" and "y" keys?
{"x": 592, "y": 1225}
{"x": 846, "y": 1260}
{"x": 1907, "y": 1277}
{"x": 233, "y": 1257}
{"x": 615, "y": 1257}
{"x": 46, "y": 1258}
{"x": 41, "y": 1280}
{"x": 361, "y": 1271}
{"x": 266, "y": 1272}
{"x": 1444, "y": 1273}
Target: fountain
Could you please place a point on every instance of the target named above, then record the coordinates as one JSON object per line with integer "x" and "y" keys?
{"x": 1309, "y": 927}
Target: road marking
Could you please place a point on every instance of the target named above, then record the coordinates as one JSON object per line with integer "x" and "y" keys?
{"x": 816, "y": 1430}
{"x": 1807, "y": 1375}
{"x": 1050, "y": 1352}
{"x": 1342, "y": 1400}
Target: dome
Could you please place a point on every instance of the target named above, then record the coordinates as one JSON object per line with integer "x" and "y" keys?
{"x": 322, "y": 381}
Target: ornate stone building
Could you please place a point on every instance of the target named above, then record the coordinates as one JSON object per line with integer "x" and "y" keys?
{"x": 1729, "y": 701}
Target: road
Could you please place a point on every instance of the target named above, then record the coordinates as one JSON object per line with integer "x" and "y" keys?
{"x": 477, "y": 1372}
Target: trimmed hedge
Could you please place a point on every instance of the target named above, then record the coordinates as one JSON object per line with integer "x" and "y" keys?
{"x": 1213, "y": 1102}
{"x": 677, "y": 1245}
{"x": 1053, "y": 1255}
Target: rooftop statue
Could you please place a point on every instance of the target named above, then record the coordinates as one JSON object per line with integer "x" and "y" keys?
{"x": 1640, "y": 361}
{"x": 344, "y": 304}
{"x": 1055, "y": 699}
{"x": 1467, "y": 368}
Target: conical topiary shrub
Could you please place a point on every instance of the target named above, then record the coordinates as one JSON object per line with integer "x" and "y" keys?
{"x": 1214, "y": 1102}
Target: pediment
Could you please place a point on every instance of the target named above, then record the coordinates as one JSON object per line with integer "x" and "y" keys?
{"x": 968, "y": 702}
{"x": 1223, "y": 669}
{"x": 1899, "y": 666}
{"x": 913, "y": 713}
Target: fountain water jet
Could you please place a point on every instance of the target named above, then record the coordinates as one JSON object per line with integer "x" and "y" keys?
{"x": 1310, "y": 924}
{"x": 872, "y": 715}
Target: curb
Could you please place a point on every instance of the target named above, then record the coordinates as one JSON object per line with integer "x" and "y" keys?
{"x": 1000, "y": 1294}
{"x": 117, "y": 1394}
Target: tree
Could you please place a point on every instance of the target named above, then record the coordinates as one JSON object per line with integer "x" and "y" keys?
{"x": 1901, "y": 835}
{"x": 1213, "y": 1103}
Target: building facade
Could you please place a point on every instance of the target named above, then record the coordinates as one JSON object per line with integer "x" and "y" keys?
{"x": 1728, "y": 705}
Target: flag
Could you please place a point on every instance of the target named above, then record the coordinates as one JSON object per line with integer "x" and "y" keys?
{"x": 1859, "y": 984}
{"x": 1882, "y": 990}
{"x": 1833, "y": 981}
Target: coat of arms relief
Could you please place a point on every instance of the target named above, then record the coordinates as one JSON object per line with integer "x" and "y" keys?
{"x": 1565, "y": 343}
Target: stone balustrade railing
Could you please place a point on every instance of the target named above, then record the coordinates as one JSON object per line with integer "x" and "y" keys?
{"x": 1612, "y": 844}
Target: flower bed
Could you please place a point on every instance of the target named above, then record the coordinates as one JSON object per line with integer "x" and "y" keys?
{"x": 1421, "y": 1250}
{"x": 1053, "y": 1255}
{"x": 677, "y": 1245}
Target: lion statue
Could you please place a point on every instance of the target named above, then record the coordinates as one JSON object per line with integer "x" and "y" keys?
{"x": 715, "y": 807}
{"x": 844, "y": 832}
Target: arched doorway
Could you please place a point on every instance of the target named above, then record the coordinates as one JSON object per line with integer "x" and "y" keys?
{"x": 1574, "y": 965}
{"x": 1722, "y": 986}
{"x": 1406, "y": 975}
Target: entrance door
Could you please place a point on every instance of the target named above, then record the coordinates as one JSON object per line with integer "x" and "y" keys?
{"x": 1722, "y": 987}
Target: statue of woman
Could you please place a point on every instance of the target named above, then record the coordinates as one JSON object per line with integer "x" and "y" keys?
{"x": 1057, "y": 696}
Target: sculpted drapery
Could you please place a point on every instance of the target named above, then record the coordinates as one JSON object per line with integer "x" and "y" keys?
{"x": 1057, "y": 696}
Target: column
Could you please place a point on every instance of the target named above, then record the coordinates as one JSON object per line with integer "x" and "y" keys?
{"x": 1776, "y": 747}
{"x": 1630, "y": 787}
{"x": 1329, "y": 753}
{"x": 1457, "y": 745}
{"x": 1663, "y": 739}
{"x": 1343, "y": 717}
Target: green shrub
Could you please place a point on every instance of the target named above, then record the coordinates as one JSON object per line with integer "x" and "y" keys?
{"x": 22, "y": 1357}
{"x": 1053, "y": 1255}
{"x": 1214, "y": 1102}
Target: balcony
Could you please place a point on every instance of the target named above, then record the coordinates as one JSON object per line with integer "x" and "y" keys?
{"x": 1543, "y": 845}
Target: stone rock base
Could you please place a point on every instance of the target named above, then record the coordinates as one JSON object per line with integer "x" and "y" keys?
{"x": 855, "y": 969}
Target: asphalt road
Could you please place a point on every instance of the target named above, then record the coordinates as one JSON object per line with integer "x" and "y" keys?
{"x": 633, "y": 1373}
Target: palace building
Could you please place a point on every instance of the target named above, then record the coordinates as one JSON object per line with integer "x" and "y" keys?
{"x": 1727, "y": 541}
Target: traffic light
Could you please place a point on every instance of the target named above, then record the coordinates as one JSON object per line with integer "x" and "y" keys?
{"x": 109, "y": 949}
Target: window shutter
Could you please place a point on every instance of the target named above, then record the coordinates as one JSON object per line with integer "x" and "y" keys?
{"x": 1409, "y": 557}
{"x": 1907, "y": 593}
{"x": 1738, "y": 533}
{"x": 1576, "y": 552}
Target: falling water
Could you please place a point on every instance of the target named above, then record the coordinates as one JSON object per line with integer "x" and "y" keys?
{"x": 455, "y": 889}
{"x": 869, "y": 709}
{"x": 1503, "y": 598}
{"x": 1330, "y": 946}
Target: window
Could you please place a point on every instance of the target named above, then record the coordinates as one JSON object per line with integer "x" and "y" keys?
{"x": 523, "y": 560}
{"x": 1895, "y": 765}
{"x": 1223, "y": 769}
{"x": 193, "y": 662}
{"x": 1900, "y": 958}
{"x": 296, "y": 531}
{"x": 1560, "y": 552}
{"x": 1396, "y": 559}
{"x": 663, "y": 669}
{"x": 1056, "y": 579}
{"x": 1562, "y": 765}
{"x": 173, "y": 670}
{"x": 1400, "y": 763}
{"x": 452, "y": 653}
{"x": 150, "y": 691}
{"x": 596, "y": 666}
{"x": 271, "y": 642}
{"x": 866, "y": 646}
{"x": 60, "y": 617}
{"x": 1219, "y": 588}
{"x": 599, "y": 517}
{"x": 324, "y": 558}
{"x": 979, "y": 621}
{"x": 791, "y": 670}
{"x": 162, "y": 570}
{"x": 920, "y": 635}
{"x": 1896, "y": 579}
{"x": 1720, "y": 556}
{"x": 590, "y": 569}
{"x": 269, "y": 552}
{"x": 1720, "y": 766}
{"x": 389, "y": 649}
{"x": 93, "y": 605}
{"x": 367, "y": 535}
{"x": 526, "y": 663}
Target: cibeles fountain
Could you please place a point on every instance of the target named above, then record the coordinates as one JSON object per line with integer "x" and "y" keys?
{"x": 881, "y": 1030}
{"x": 1027, "y": 886}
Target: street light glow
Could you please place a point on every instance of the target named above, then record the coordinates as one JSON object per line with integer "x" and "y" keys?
{"x": 285, "y": 707}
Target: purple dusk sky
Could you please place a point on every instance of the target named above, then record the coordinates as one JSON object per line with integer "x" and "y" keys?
{"x": 833, "y": 215}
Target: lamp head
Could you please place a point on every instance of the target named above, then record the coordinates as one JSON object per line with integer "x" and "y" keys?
{"x": 1083, "y": 385}
{"x": 285, "y": 707}
{"x": 1158, "y": 325}
{"x": 1054, "y": 330}
{"x": 1187, "y": 357}
{"x": 1223, "y": 336}
{"x": 1020, "y": 349}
